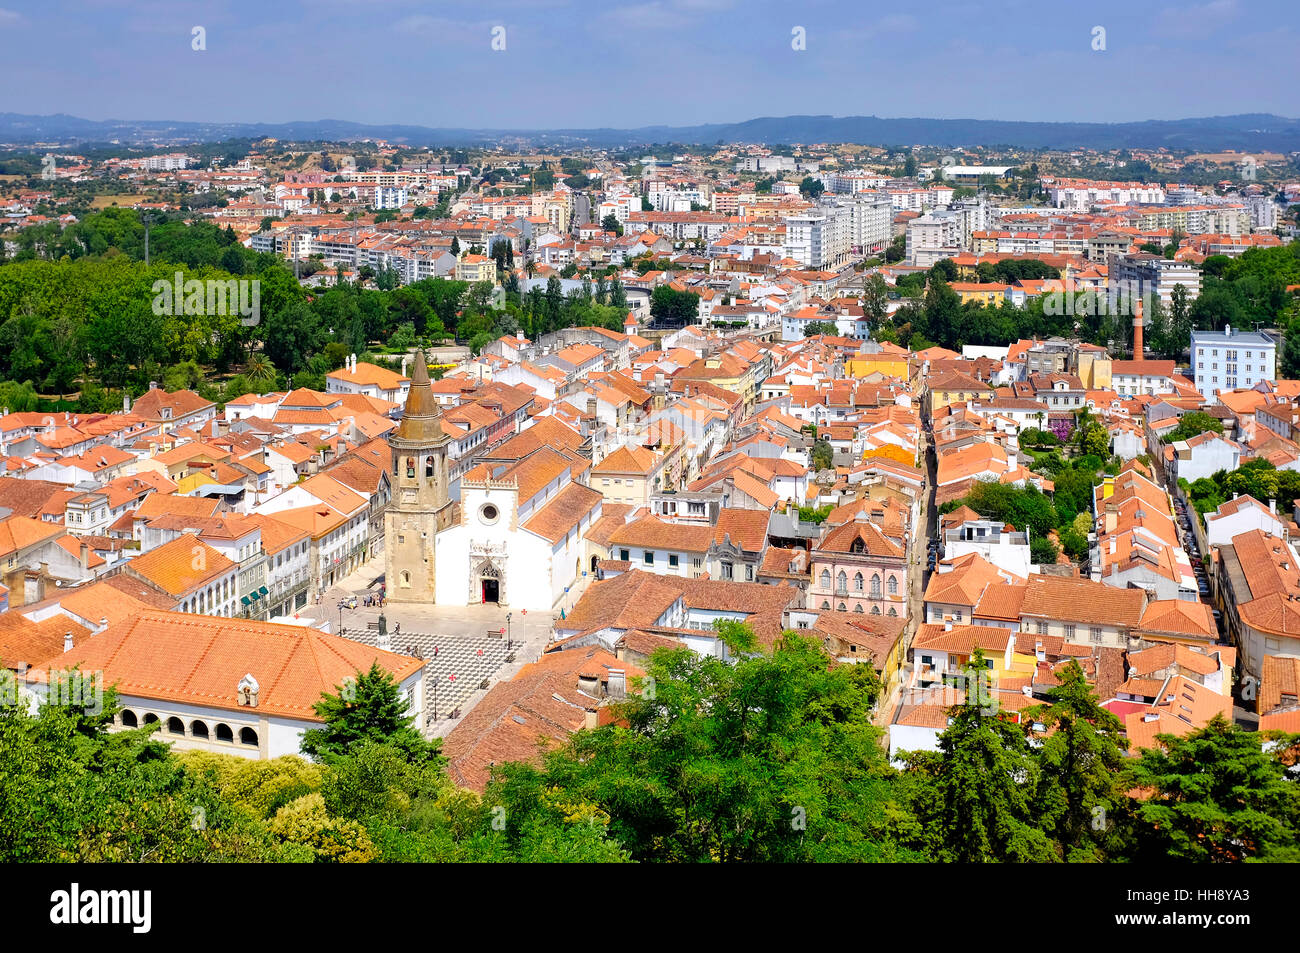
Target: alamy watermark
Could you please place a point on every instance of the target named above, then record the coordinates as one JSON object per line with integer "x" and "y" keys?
{"x": 1118, "y": 297}
{"x": 74, "y": 906}
{"x": 242, "y": 296}
{"x": 930, "y": 686}
{"x": 67, "y": 688}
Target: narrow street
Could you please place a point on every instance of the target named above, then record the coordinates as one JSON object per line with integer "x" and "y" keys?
{"x": 918, "y": 573}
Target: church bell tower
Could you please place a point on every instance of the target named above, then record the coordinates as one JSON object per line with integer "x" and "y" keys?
{"x": 421, "y": 502}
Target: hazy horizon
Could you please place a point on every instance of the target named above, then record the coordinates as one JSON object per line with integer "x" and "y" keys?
{"x": 649, "y": 63}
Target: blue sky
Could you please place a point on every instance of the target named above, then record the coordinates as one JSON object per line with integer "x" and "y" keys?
{"x": 581, "y": 63}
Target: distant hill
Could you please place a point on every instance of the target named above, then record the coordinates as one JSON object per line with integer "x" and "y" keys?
{"x": 1256, "y": 132}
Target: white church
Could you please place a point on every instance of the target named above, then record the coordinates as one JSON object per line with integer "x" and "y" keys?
{"x": 515, "y": 536}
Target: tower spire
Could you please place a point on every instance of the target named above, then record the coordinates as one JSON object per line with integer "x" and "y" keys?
{"x": 420, "y": 420}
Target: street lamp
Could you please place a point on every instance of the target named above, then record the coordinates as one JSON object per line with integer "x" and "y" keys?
{"x": 508, "y": 642}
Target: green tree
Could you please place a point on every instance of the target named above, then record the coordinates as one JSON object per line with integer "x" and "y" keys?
{"x": 260, "y": 371}
{"x": 1216, "y": 796}
{"x": 369, "y": 707}
{"x": 617, "y": 295}
{"x": 822, "y": 455}
{"x": 1082, "y": 795}
{"x": 1194, "y": 424}
{"x": 1043, "y": 551}
{"x": 811, "y": 187}
{"x": 772, "y": 758}
{"x": 974, "y": 799}
{"x": 942, "y": 311}
{"x": 813, "y": 328}
{"x": 875, "y": 298}
{"x": 71, "y": 791}
{"x": 674, "y": 308}
{"x": 1094, "y": 439}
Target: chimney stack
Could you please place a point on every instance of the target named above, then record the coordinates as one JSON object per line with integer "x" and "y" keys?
{"x": 1137, "y": 330}
{"x": 67, "y": 641}
{"x": 85, "y": 557}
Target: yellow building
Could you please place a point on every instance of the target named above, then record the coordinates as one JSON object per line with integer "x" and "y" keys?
{"x": 188, "y": 465}
{"x": 474, "y": 268}
{"x": 889, "y": 360}
{"x": 628, "y": 475}
{"x": 726, "y": 371}
{"x": 941, "y": 650}
{"x": 1094, "y": 367}
{"x": 989, "y": 295}
{"x": 955, "y": 388}
{"x": 556, "y": 209}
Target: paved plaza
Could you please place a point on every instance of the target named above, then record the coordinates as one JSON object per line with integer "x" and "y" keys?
{"x": 461, "y": 645}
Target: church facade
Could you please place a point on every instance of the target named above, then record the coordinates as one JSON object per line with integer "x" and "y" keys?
{"x": 520, "y": 536}
{"x": 513, "y": 537}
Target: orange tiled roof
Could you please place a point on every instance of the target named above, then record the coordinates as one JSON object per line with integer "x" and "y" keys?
{"x": 181, "y": 566}
{"x": 199, "y": 660}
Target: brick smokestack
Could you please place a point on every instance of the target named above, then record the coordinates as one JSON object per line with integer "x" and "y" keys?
{"x": 1137, "y": 331}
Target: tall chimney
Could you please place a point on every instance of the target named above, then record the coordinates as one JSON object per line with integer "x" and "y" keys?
{"x": 1137, "y": 330}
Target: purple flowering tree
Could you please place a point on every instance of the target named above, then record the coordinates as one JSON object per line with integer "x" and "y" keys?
{"x": 1063, "y": 428}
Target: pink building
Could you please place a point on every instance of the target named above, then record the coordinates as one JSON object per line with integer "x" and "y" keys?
{"x": 857, "y": 568}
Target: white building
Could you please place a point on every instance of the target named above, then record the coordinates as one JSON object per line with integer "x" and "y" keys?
{"x": 519, "y": 541}
{"x": 818, "y": 239}
{"x": 1155, "y": 274}
{"x": 369, "y": 379}
{"x": 1131, "y": 378}
{"x": 870, "y": 220}
{"x": 989, "y": 539}
{"x": 973, "y": 173}
{"x": 248, "y": 689}
{"x": 1203, "y": 456}
{"x": 1082, "y": 195}
{"x": 1240, "y": 515}
{"x": 1228, "y": 360}
{"x": 931, "y": 237}
{"x": 851, "y": 183}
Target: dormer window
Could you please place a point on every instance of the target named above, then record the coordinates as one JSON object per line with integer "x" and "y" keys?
{"x": 247, "y": 690}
